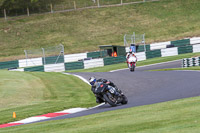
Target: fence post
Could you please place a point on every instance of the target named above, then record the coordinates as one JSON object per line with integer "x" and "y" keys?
{"x": 98, "y": 3}
{"x": 51, "y": 8}
{"x": 5, "y": 14}
{"x": 27, "y": 11}
{"x": 121, "y": 2}
{"x": 75, "y": 5}
{"x": 44, "y": 56}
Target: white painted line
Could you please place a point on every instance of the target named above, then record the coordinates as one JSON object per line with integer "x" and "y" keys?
{"x": 31, "y": 119}
{"x": 118, "y": 70}
{"x": 97, "y": 106}
{"x": 188, "y": 70}
{"x": 73, "y": 110}
{"x": 79, "y": 77}
{"x": 146, "y": 65}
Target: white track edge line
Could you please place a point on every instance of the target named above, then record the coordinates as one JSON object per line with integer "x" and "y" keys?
{"x": 147, "y": 65}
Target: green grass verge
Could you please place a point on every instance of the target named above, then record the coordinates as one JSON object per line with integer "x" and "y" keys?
{"x": 35, "y": 93}
{"x": 81, "y": 31}
{"x": 172, "y": 69}
{"x": 139, "y": 63}
{"x": 179, "y": 116}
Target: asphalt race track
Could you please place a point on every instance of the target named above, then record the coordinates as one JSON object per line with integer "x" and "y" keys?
{"x": 147, "y": 87}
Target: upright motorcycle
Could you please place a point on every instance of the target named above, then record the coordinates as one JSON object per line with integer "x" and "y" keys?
{"x": 110, "y": 94}
{"x": 131, "y": 61}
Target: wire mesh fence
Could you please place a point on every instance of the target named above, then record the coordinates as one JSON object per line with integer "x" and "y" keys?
{"x": 50, "y": 55}
{"x": 65, "y": 5}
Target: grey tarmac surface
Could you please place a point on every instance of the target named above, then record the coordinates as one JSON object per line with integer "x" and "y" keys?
{"x": 146, "y": 87}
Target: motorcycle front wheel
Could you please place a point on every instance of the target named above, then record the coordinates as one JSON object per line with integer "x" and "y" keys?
{"x": 110, "y": 99}
{"x": 125, "y": 100}
{"x": 132, "y": 68}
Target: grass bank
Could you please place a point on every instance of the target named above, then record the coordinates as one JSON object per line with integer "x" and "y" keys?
{"x": 81, "y": 31}
{"x": 174, "y": 116}
{"x": 36, "y": 93}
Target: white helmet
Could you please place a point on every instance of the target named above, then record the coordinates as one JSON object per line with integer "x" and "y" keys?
{"x": 92, "y": 80}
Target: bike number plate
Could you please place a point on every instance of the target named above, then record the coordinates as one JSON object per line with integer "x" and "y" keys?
{"x": 111, "y": 90}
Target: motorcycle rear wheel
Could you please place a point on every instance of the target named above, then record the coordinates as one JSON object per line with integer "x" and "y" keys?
{"x": 108, "y": 99}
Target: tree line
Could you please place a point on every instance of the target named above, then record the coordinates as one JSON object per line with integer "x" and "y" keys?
{"x": 18, "y": 7}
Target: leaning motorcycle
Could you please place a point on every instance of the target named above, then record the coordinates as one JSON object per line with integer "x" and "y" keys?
{"x": 110, "y": 94}
{"x": 131, "y": 61}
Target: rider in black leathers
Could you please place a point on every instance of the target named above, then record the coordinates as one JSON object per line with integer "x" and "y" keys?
{"x": 93, "y": 82}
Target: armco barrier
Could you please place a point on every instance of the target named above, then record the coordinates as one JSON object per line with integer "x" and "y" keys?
{"x": 161, "y": 45}
{"x": 169, "y": 52}
{"x": 74, "y": 65}
{"x": 75, "y": 57}
{"x": 93, "y": 55}
{"x": 35, "y": 69}
{"x": 179, "y": 43}
{"x": 93, "y": 63}
{"x": 141, "y": 56}
{"x": 140, "y": 48}
{"x": 54, "y": 67}
{"x": 30, "y": 62}
{"x": 195, "y": 40}
{"x": 53, "y": 60}
{"x": 185, "y": 49}
{"x": 196, "y": 48}
{"x": 153, "y": 54}
{"x": 9, "y": 64}
{"x": 114, "y": 60}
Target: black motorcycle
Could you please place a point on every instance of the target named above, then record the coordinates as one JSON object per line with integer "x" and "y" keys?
{"x": 110, "y": 94}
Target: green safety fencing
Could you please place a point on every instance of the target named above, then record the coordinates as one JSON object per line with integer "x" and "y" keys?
{"x": 53, "y": 60}
{"x": 35, "y": 69}
{"x": 9, "y": 64}
{"x": 114, "y": 60}
{"x": 140, "y": 48}
{"x": 179, "y": 43}
{"x": 121, "y": 51}
{"x": 74, "y": 65}
{"x": 93, "y": 54}
{"x": 153, "y": 54}
{"x": 185, "y": 49}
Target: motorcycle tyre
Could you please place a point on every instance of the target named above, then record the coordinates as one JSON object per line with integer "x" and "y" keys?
{"x": 125, "y": 100}
{"x": 109, "y": 101}
{"x": 132, "y": 69}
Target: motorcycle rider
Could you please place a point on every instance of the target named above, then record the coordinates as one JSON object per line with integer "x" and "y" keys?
{"x": 130, "y": 53}
{"x": 93, "y": 81}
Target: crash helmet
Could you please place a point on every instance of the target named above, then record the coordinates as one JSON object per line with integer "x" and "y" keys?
{"x": 92, "y": 80}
